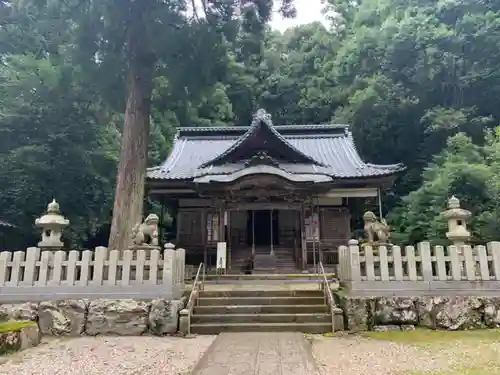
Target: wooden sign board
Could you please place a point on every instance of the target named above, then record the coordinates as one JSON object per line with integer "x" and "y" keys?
{"x": 221, "y": 255}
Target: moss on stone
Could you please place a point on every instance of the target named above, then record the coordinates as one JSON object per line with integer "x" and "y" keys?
{"x": 15, "y": 326}
{"x": 427, "y": 336}
{"x": 462, "y": 371}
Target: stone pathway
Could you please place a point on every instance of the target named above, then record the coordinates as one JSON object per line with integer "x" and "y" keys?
{"x": 286, "y": 353}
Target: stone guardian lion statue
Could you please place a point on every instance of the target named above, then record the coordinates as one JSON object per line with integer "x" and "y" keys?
{"x": 146, "y": 233}
{"x": 376, "y": 231}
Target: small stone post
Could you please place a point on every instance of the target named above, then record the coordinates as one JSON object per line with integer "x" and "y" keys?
{"x": 169, "y": 246}
{"x": 457, "y": 226}
{"x": 52, "y": 225}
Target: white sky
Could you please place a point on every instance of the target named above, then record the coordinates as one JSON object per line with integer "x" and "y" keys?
{"x": 307, "y": 11}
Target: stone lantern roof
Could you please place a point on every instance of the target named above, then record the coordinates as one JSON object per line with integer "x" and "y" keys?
{"x": 454, "y": 211}
{"x": 52, "y": 218}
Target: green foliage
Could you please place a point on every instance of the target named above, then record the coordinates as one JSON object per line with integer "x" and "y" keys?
{"x": 463, "y": 169}
{"x": 417, "y": 81}
{"x": 54, "y": 146}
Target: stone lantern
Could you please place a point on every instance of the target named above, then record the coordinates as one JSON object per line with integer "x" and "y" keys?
{"x": 52, "y": 225}
{"x": 457, "y": 222}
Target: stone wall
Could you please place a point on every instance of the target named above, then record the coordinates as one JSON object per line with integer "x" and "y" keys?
{"x": 404, "y": 313}
{"x": 125, "y": 317}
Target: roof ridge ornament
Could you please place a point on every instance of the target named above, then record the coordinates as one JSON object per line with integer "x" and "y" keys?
{"x": 261, "y": 122}
{"x": 262, "y": 158}
{"x": 262, "y": 115}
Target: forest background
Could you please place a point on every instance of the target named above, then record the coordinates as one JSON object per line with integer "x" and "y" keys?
{"x": 417, "y": 81}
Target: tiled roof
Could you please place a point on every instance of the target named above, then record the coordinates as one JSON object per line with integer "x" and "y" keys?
{"x": 261, "y": 118}
{"x": 6, "y": 224}
{"x": 332, "y": 146}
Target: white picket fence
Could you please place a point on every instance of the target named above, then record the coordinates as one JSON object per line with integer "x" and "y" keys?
{"x": 35, "y": 275}
{"x": 424, "y": 270}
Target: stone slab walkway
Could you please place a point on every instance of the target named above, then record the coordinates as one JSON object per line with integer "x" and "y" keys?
{"x": 283, "y": 353}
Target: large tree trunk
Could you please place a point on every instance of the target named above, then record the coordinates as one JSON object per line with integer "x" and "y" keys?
{"x": 129, "y": 194}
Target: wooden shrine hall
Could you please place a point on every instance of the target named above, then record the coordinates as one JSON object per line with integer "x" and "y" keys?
{"x": 279, "y": 191}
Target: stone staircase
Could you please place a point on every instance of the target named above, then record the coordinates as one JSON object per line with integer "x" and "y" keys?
{"x": 279, "y": 262}
{"x": 284, "y": 260}
{"x": 261, "y": 311}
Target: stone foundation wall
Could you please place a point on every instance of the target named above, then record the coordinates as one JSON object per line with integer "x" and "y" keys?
{"x": 404, "y": 313}
{"x": 125, "y": 317}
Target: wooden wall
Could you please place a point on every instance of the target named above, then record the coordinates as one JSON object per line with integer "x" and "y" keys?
{"x": 334, "y": 224}
{"x": 289, "y": 226}
{"x": 190, "y": 227}
{"x": 335, "y": 230}
{"x": 238, "y": 228}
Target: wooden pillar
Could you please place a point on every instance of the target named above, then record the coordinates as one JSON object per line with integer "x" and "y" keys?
{"x": 161, "y": 231}
{"x": 320, "y": 251}
{"x": 253, "y": 232}
{"x": 296, "y": 232}
{"x": 313, "y": 227}
{"x": 221, "y": 225}
{"x": 228, "y": 240}
{"x": 303, "y": 237}
{"x": 178, "y": 222}
{"x": 272, "y": 244}
{"x": 227, "y": 236}
{"x": 204, "y": 235}
{"x": 221, "y": 229}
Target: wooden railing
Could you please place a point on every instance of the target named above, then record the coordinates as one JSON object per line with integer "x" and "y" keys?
{"x": 421, "y": 270}
{"x": 327, "y": 292}
{"x": 187, "y": 312}
{"x": 34, "y": 275}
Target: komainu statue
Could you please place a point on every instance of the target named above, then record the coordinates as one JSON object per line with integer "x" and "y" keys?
{"x": 376, "y": 231}
{"x": 146, "y": 233}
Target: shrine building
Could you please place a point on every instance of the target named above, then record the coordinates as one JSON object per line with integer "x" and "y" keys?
{"x": 279, "y": 192}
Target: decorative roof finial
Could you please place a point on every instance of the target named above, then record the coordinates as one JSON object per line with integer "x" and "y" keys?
{"x": 453, "y": 202}
{"x": 262, "y": 115}
{"x": 53, "y": 207}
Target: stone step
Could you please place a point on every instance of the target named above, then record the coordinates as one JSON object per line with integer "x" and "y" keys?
{"x": 260, "y": 293}
{"x": 264, "y": 271}
{"x": 294, "y": 276}
{"x": 261, "y": 318}
{"x": 225, "y": 301}
{"x": 261, "y": 309}
{"x": 216, "y": 328}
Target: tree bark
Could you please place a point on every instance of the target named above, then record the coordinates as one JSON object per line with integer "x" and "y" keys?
{"x": 129, "y": 193}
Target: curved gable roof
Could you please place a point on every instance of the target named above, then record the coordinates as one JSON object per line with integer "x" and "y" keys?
{"x": 332, "y": 146}
{"x": 261, "y": 125}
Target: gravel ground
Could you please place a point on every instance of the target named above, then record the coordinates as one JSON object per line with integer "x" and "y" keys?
{"x": 354, "y": 355}
{"x": 110, "y": 356}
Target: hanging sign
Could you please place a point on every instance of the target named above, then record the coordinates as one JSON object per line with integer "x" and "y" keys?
{"x": 312, "y": 227}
